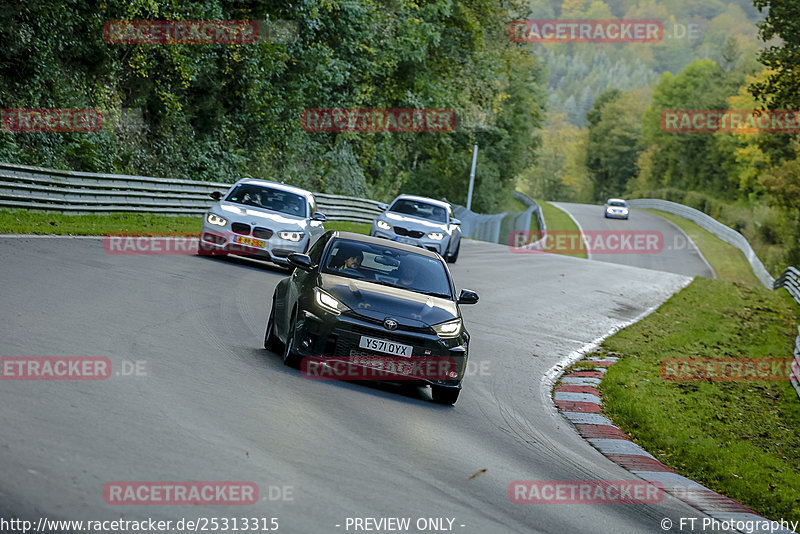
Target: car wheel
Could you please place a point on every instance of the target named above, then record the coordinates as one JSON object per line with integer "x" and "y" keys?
{"x": 271, "y": 341}
{"x": 452, "y": 258}
{"x": 290, "y": 358}
{"x": 444, "y": 395}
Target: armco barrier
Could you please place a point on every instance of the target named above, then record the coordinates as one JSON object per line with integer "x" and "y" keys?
{"x": 22, "y": 186}
{"x": 725, "y": 233}
{"x": 790, "y": 280}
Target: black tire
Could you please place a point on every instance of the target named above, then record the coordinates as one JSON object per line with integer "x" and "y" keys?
{"x": 452, "y": 258}
{"x": 444, "y": 395}
{"x": 290, "y": 358}
{"x": 271, "y": 341}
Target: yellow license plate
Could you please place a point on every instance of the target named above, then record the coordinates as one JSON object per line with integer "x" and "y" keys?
{"x": 249, "y": 241}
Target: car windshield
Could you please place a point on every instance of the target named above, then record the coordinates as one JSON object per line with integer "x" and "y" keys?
{"x": 388, "y": 266}
{"x": 268, "y": 198}
{"x": 617, "y": 203}
{"x": 415, "y": 208}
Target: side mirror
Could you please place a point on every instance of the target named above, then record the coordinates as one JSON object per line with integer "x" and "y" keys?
{"x": 467, "y": 296}
{"x": 383, "y": 206}
{"x": 301, "y": 261}
{"x": 455, "y": 221}
{"x": 216, "y": 195}
{"x": 318, "y": 217}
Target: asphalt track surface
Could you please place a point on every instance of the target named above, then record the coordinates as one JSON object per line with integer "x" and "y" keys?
{"x": 678, "y": 253}
{"x": 215, "y": 406}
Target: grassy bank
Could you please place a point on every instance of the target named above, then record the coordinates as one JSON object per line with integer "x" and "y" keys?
{"x": 557, "y": 220}
{"x": 739, "y": 438}
{"x": 19, "y": 221}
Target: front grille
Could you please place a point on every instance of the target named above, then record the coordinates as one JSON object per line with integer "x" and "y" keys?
{"x": 416, "y": 234}
{"x": 262, "y": 233}
{"x": 240, "y": 228}
{"x": 347, "y": 342}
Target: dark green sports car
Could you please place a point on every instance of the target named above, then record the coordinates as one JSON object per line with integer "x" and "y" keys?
{"x": 364, "y": 308}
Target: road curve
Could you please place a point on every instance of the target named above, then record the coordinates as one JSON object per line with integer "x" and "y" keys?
{"x": 679, "y": 254}
{"x": 212, "y": 405}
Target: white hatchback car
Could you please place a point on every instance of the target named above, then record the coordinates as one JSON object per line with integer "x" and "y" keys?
{"x": 615, "y": 208}
{"x": 265, "y": 220}
{"x": 421, "y": 221}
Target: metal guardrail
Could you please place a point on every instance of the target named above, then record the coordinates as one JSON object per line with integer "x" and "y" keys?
{"x": 707, "y": 222}
{"x": 22, "y": 186}
{"x": 790, "y": 280}
{"x": 533, "y": 208}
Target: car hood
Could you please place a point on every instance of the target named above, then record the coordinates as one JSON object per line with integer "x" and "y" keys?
{"x": 414, "y": 223}
{"x": 379, "y": 302}
{"x": 259, "y": 216}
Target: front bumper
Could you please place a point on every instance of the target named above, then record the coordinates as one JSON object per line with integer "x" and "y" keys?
{"x": 336, "y": 338}
{"x": 424, "y": 241}
{"x": 616, "y": 215}
{"x": 276, "y": 249}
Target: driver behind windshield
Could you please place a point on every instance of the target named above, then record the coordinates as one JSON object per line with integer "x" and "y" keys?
{"x": 347, "y": 259}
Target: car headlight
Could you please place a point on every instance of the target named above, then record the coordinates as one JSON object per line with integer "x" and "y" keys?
{"x": 437, "y": 236}
{"x": 448, "y": 329}
{"x": 625, "y": 211}
{"x": 327, "y": 302}
{"x": 383, "y": 225}
{"x": 291, "y": 236}
{"x": 216, "y": 220}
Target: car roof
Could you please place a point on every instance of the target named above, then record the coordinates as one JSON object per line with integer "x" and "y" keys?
{"x": 615, "y": 200}
{"x": 276, "y": 185}
{"x": 422, "y": 199}
{"x": 361, "y": 238}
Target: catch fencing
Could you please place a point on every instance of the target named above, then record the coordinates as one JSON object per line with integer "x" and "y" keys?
{"x": 497, "y": 228}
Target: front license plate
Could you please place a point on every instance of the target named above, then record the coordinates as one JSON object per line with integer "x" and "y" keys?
{"x": 406, "y": 240}
{"x": 387, "y": 347}
{"x": 249, "y": 241}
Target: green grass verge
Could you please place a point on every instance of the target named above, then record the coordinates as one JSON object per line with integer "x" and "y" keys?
{"x": 557, "y": 220}
{"x": 738, "y": 438}
{"x": 728, "y": 261}
{"x": 345, "y": 226}
{"x": 19, "y": 221}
